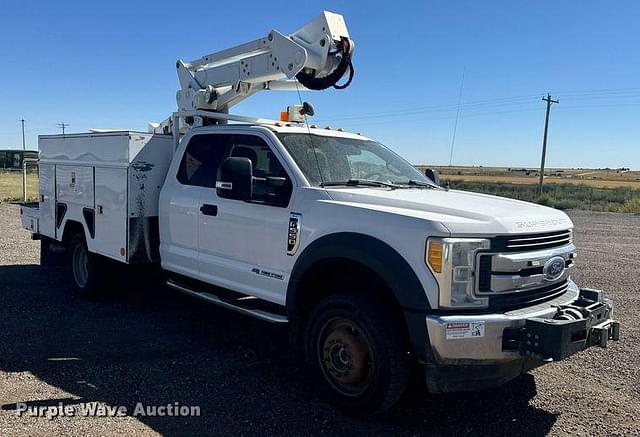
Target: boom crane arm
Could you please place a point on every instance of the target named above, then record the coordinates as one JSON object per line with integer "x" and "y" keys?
{"x": 317, "y": 55}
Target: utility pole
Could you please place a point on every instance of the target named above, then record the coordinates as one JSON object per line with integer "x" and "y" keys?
{"x": 62, "y": 126}
{"x": 549, "y": 101}
{"x": 24, "y": 167}
{"x": 22, "y": 120}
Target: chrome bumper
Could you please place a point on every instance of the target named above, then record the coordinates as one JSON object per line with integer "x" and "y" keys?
{"x": 479, "y": 339}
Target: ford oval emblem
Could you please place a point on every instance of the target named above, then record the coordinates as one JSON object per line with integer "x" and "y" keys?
{"x": 553, "y": 268}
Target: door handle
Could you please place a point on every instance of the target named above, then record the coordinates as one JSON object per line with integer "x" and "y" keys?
{"x": 207, "y": 209}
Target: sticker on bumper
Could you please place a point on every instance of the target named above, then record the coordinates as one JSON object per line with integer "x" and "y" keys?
{"x": 464, "y": 330}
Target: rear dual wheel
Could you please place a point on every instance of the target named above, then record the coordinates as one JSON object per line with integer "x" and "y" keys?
{"x": 86, "y": 269}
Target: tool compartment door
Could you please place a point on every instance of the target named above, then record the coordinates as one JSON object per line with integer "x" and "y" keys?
{"x": 47, "y": 206}
{"x": 111, "y": 212}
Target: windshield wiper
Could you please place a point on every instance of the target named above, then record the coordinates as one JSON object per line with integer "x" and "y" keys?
{"x": 358, "y": 182}
{"x": 417, "y": 183}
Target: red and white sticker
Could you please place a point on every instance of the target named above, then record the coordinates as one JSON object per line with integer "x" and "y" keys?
{"x": 464, "y": 330}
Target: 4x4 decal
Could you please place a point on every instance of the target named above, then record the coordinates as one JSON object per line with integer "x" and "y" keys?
{"x": 268, "y": 274}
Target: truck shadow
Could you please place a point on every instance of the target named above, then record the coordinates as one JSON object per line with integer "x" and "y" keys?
{"x": 156, "y": 347}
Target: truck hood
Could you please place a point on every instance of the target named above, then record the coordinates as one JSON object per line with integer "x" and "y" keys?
{"x": 460, "y": 212}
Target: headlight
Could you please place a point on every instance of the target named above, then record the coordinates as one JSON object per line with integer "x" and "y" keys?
{"x": 452, "y": 261}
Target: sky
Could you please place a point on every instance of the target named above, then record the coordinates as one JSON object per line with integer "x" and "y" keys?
{"x": 112, "y": 65}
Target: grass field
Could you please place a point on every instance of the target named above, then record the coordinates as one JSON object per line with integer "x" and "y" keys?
{"x": 599, "y": 178}
{"x": 561, "y": 196}
{"x": 574, "y": 188}
{"x": 11, "y": 186}
{"x": 598, "y": 183}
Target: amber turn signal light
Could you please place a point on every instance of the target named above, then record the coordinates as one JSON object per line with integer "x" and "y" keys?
{"x": 434, "y": 255}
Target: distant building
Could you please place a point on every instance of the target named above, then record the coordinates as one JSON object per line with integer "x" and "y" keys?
{"x": 13, "y": 158}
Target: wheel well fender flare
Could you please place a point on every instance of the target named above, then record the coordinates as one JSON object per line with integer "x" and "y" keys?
{"x": 368, "y": 251}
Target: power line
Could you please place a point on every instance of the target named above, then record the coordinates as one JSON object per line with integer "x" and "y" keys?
{"x": 549, "y": 101}
{"x": 468, "y": 113}
{"x": 598, "y": 91}
{"x": 471, "y": 105}
{"x": 464, "y": 108}
{"x": 520, "y": 100}
{"x": 416, "y": 118}
{"x": 602, "y": 105}
{"x": 62, "y": 126}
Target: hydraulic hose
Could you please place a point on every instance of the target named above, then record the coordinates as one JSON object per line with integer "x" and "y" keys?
{"x": 331, "y": 80}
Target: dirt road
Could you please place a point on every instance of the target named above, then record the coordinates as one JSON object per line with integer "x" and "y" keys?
{"x": 157, "y": 348}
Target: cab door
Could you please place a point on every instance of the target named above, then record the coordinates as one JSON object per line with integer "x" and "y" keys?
{"x": 180, "y": 208}
{"x": 243, "y": 244}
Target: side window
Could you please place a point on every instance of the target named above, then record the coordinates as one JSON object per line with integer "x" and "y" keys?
{"x": 201, "y": 159}
{"x": 271, "y": 185}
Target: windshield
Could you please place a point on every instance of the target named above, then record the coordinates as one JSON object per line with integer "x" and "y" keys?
{"x": 348, "y": 161}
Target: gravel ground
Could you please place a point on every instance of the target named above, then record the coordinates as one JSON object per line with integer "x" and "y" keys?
{"x": 158, "y": 347}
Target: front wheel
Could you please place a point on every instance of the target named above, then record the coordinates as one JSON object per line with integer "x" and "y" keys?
{"x": 355, "y": 354}
{"x": 86, "y": 270}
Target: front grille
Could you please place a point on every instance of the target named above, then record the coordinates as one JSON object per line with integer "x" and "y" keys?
{"x": 509, "y": 301}
{"x": 485, "y": 271}
{"x": 530, "y": 242}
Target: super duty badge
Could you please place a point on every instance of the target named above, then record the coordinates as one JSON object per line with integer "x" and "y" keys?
{"x": 293, "y": 233}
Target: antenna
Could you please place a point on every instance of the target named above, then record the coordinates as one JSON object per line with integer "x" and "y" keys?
{"x": 455, "y": 125}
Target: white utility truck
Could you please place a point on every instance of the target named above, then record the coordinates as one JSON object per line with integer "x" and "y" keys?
{"x": 375, "y": 266}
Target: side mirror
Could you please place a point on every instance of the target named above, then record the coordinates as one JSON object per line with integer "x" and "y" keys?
{"x": 433, "y": 174}
{"x": 235, "y": 179}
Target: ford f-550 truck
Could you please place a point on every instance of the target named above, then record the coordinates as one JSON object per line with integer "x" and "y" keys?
{"x": 375, "y": 266}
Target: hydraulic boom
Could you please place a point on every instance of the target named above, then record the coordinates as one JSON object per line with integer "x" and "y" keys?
{"x": 317, "y": 56}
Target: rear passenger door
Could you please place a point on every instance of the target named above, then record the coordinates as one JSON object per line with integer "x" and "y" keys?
{"x": 181, "y": 198}
{"x": 243, "y": 244}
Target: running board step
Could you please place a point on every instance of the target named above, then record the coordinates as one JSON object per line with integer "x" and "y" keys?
{"x": 212, "y": 298}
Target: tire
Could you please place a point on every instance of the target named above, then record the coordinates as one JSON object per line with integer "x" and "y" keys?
{"x": 85, "y": 270}
{"x": 356, "y": 354}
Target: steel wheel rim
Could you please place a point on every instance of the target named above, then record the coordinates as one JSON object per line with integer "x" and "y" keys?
{"x": 80, "y": 266}
{"x": 345, "y": 356}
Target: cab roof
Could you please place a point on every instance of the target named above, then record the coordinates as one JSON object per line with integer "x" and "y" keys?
{"x": 299, "y": 128}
